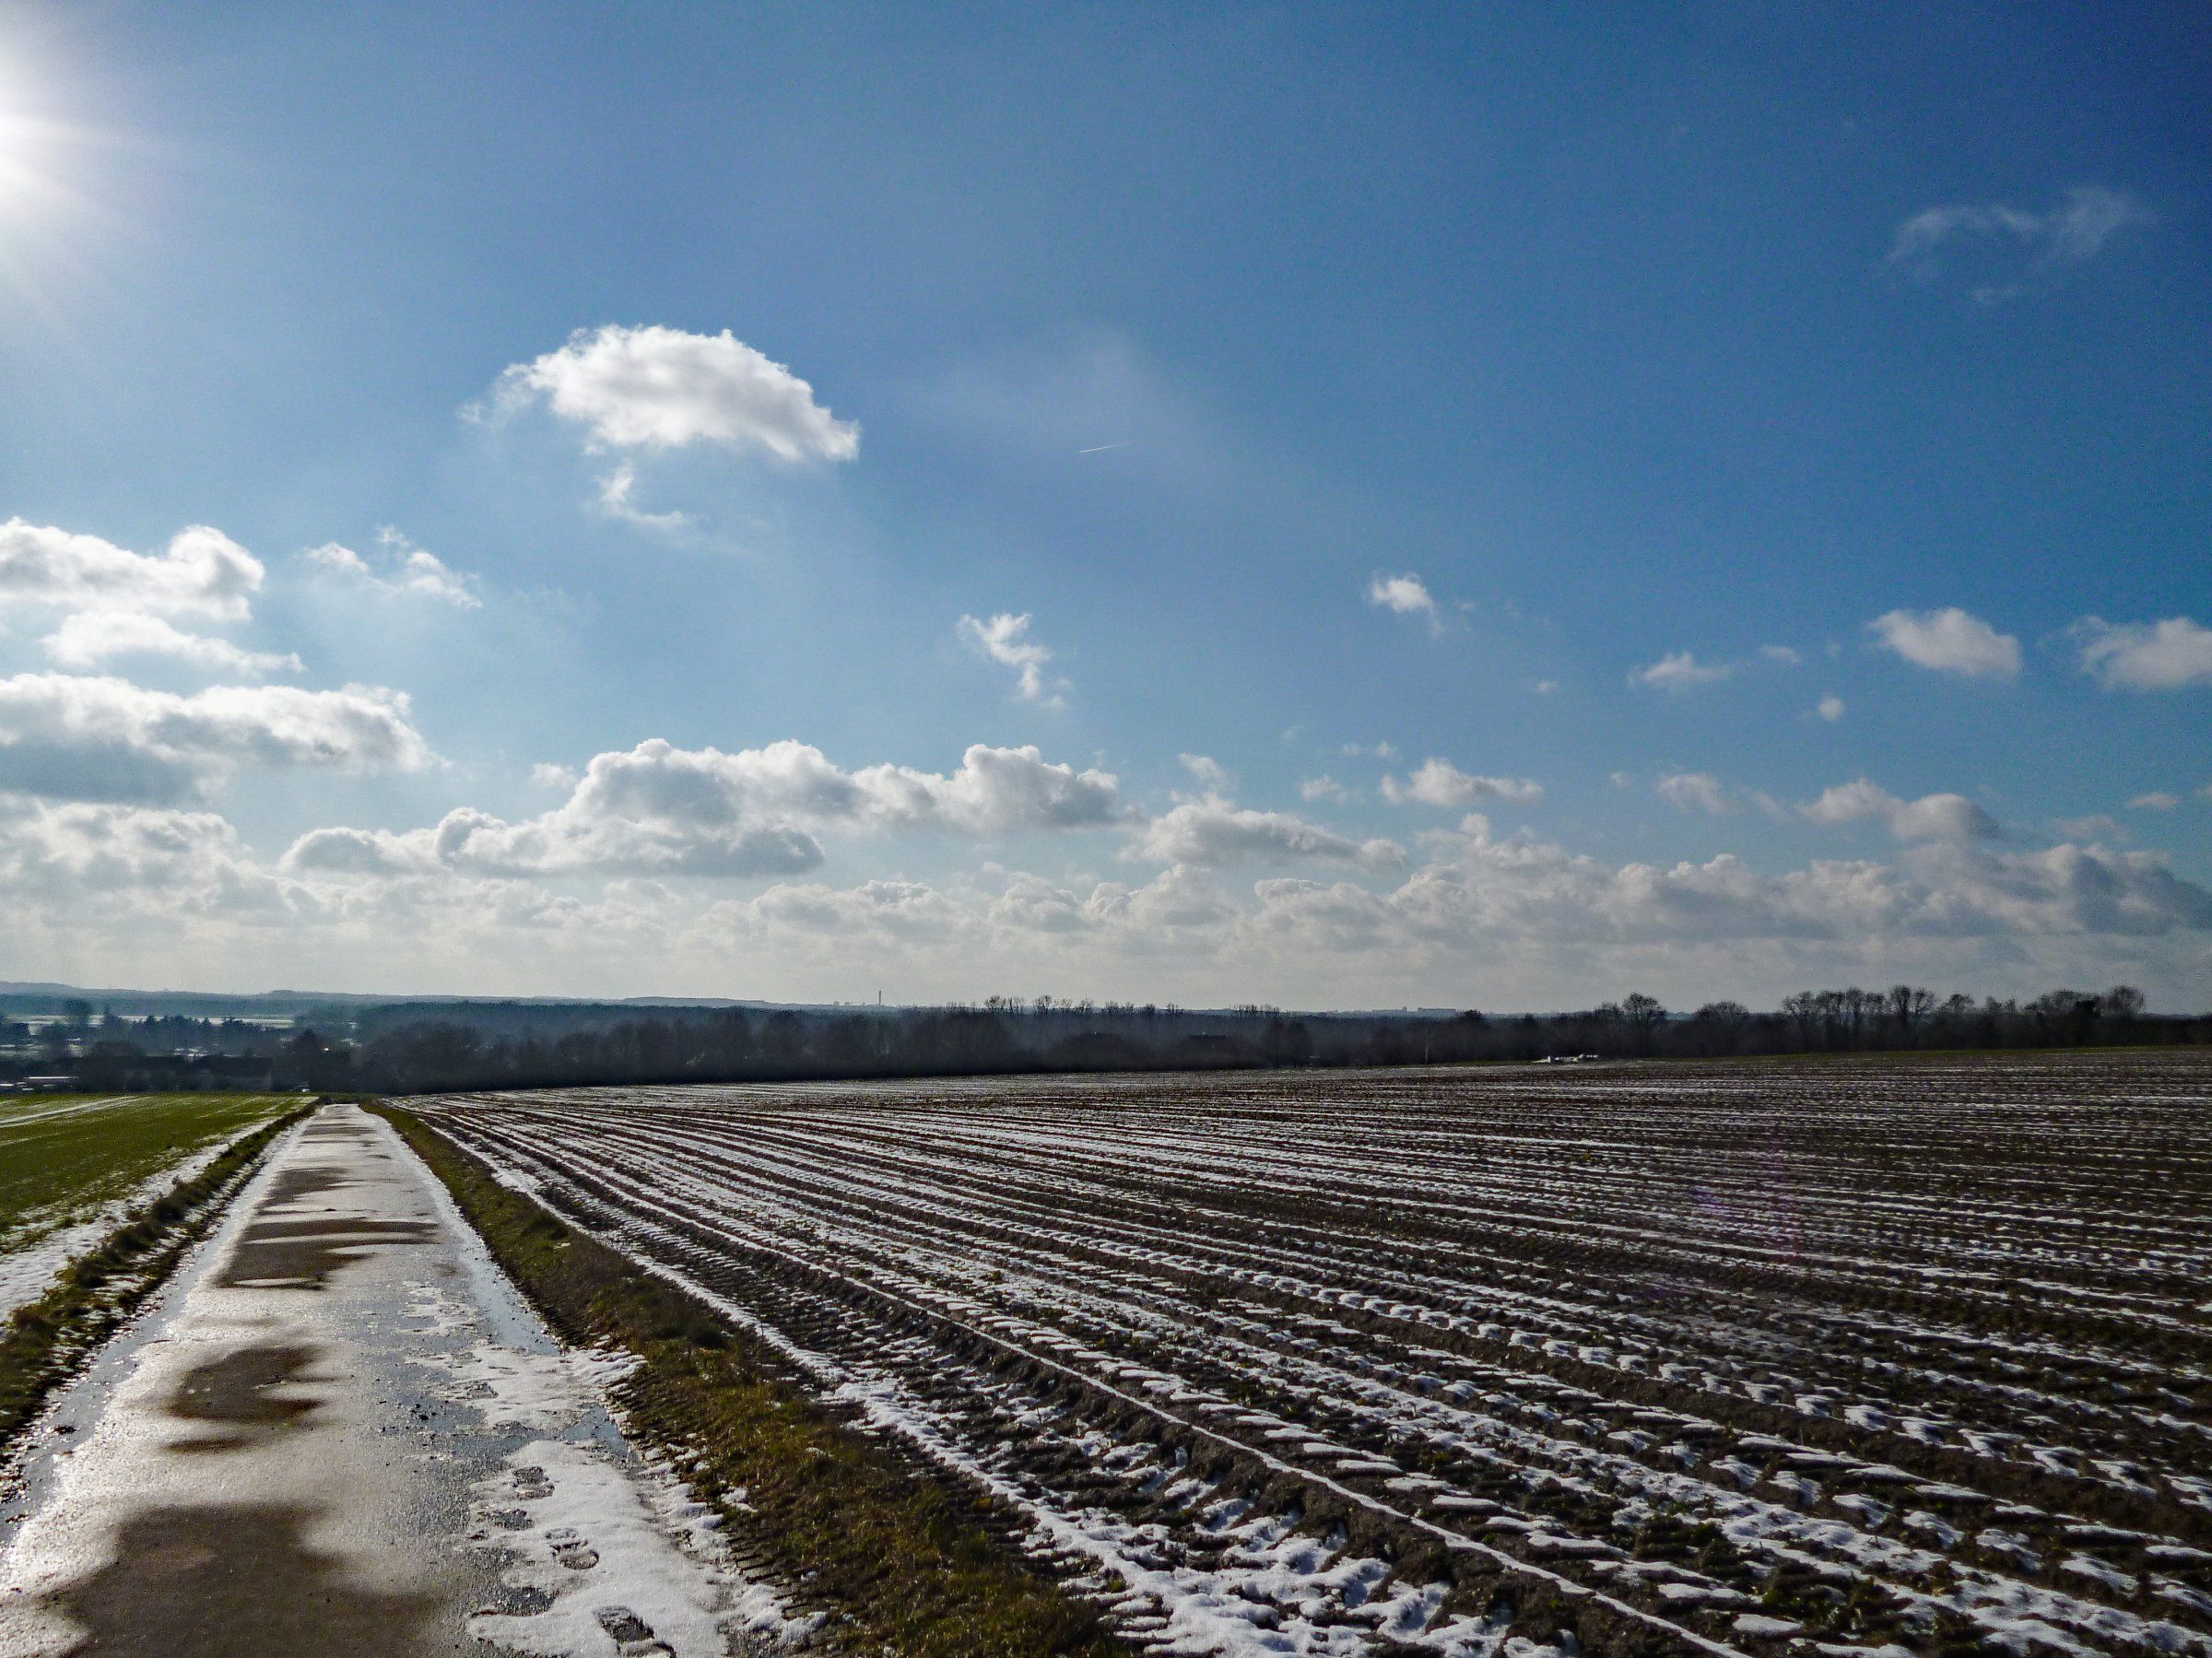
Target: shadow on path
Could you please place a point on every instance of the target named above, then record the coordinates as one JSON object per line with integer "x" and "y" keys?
{"x": 252, "y": 1586}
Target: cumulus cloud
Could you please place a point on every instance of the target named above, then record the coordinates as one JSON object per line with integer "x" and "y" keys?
{"x": 74, "y": 737}
{"x": 401, "y": 567}
{"x": 2158, "y": 800}
{"x": 1485, "y": 895}
{"x": 1702, "y": 792}
{"x": 1931, "y": 817}
{"x": 1005, "y": 639}
{"x": 1949, "y": 640}
{"x": 1829, "y": 708}
{"x": 92, "y": 636}
{"x": 2097, "y": 826}
{"x": 655, "y": 388}
{"x": 1480, "y": 911}
{"x": 660, "y": 809}
{"x": 1438, "y": 782}
{"x": 1697, "y": 792}
{"x": 1323, "y": 787}
{"x": 2017, "y": 247}
{"x": 1407, "y": 595}
{"x": 893, "y": 911}
{"x": 1944, "y": 889}
{"x": 1211, "y": 832}
{"x": 1679, "y": 670}
{"x": 78, "y": 854}
{"x": 2168, "y": 655}
{"x": 1209, "y": 770}
{"x": 202, "y": 572}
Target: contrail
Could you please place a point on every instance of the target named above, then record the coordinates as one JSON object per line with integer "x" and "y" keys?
{"x": 1103, "y": 447}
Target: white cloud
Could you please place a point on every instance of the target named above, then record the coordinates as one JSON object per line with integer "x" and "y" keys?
{"x": 406, "y": 570}
{"x": 1949, "y": 640}
{"x": 1931, "y": 817}
{"x": 1322, "y": 788}
{"x": 996, "y": 791}
{"x": 82, "y": 855}
{"x": 1438, "y": 782}
{"x": 2017, "y": 247}
{"x": 1829, "y": 708}
{"x": 546, "y": 775}
{"x": 2095, "y": 826}
{"x": 1678, "y": 670}
{"x": 102, "y": 739}
{"x": 202, "y": 572}
{"x": 1210, "y": 832}
{"x": 1697, "y": 792}
{"x": 1702, "y": 792}
{"x": 1782, "y": 654}
{"x": 91, "y": 637}
{"x": 1407, "y": 595}
{"x": 660, "y": 809}
{"x": 893, "y": 913}
{"x": 1515, "y": 922}
{"x": 1381, "y": 751}
{"x": 1524, "y": 889}
{"x": 1209, "y": 770}
{"x": 655, "y": 388}
{"x": 616, "y": 493}
{"x": 2156, "y": 801}
{"x": 1491, "y": 905}
{"x": 2168, "y": 655}
{"x": 1005, "y": 639}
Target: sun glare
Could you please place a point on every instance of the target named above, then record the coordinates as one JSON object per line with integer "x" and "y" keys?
{"x": 27, "y": 147}
{"x": 51, "y": 222}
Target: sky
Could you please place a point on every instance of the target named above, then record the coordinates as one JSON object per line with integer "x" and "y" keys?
{"x": 1324, "y": 505}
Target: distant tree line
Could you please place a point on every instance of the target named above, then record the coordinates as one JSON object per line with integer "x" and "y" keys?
{"x": 413, "y": 1048}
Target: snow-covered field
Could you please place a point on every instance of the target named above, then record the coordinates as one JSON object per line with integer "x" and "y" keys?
{"x": 1751, "y": 1358}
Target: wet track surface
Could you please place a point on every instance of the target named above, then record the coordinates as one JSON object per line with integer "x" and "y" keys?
{"x": 341, "y": 1433}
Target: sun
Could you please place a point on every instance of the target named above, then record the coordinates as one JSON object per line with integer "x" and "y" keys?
{"x": 52, "y": 225}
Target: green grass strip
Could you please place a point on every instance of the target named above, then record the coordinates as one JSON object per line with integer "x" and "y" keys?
{"x": 62, "y": 1157}
{"x": 45, "y": 1342}
{"x": 900, "y": 1562}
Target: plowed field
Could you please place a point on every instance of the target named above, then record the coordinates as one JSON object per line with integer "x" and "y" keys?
{"x": 1730, "y": 1358}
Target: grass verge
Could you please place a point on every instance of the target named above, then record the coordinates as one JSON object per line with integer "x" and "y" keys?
{"x": 43, "y": 1342}
{"x": 899, "y": 1562}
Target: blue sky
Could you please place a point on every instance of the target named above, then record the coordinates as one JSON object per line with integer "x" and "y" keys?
{"x": 1756, "y": 452}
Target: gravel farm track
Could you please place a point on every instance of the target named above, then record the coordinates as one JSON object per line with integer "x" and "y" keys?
{"x": 1758, "y": 1358}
